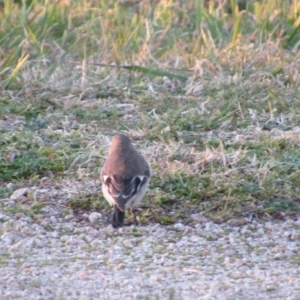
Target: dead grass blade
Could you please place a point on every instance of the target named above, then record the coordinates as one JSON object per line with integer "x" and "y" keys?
{"x": 16, "y": 71}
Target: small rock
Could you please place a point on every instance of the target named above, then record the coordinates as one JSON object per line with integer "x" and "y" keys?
{"x": 91, "y": 231}
{"x": 237, "y": 222}
{"x": 199, "y": 218}
{"x": 10, "y": 185}
{"x": 25, "y": 230}
{"x": 229, "y": 260}
{"x": 269, "y": 286}
{"x": 171, "y": 246}
{"x": 127, "y": 243}
{"x": 197, "y": 239}
{"x": 2, "y": 217}
{"x": 69, "y": 217}
{"x": 19, "y": 194}
{"x": 117, "y": 248}
{"x": 179, "y": 226}
{"x": 53, "y": 220}
{"x": 94, "y": 217}
{"x": 295, "y": 236}
{"x": 8, "y": 238}
{"x": 20, "y": 215}
{"x": 74, "y": 125}
{"x": 229, "y": 252}
{"x": 55, "y": 234}
{"x": 120, "y": 266}
{"x": 96, "y": 243}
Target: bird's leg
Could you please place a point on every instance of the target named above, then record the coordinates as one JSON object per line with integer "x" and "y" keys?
{"x": 118, "y": 217}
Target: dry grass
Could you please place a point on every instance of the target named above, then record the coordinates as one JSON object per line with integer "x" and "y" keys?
{"x": 210, "y": 94}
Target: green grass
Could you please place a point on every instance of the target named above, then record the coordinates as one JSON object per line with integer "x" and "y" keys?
{"x": 24, "y": 155}
{"x": 209, "y": 94}
{"x": 87, "y": 203}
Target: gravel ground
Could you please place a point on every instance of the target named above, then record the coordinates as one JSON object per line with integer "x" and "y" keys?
{"x": 61, "y": 258}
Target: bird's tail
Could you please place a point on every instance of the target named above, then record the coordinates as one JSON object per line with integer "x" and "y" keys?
{"x": 118, "y": 218}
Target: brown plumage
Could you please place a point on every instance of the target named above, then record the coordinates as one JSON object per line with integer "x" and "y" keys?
{"x": 125, "y": 177}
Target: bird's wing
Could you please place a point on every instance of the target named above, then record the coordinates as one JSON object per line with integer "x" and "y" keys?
{"x": 123, "y": 189}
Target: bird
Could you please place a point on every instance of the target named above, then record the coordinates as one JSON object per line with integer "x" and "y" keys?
{"x": 125, "y": 177}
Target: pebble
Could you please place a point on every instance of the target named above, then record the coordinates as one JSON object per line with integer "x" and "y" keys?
{"x": 53, "y": 220}
{"x": 19, "y": 194}
{"x": 94, "y": 217}
{"x": 58, "y": 258}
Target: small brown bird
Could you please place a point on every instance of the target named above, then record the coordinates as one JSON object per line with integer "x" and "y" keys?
{"x": 125, "y": 177}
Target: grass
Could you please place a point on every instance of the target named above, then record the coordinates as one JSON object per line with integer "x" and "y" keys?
{"x": 208, "y": 92}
